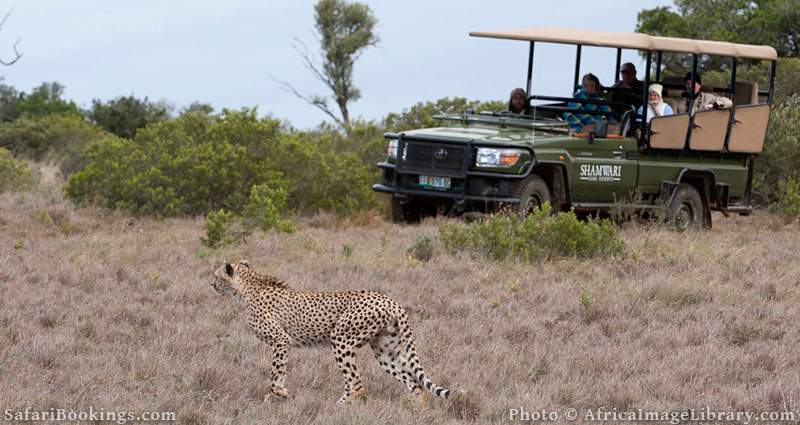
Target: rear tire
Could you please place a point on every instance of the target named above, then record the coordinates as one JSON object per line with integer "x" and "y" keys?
{"x": 686, "y": 210}
{"x": 532, "y": 193}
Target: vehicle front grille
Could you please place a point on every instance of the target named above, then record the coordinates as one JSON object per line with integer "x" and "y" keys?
{"x": 433, "y": 158}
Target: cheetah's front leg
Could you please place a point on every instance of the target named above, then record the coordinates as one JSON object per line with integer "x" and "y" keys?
{"x": 280, "y": 350}
{"x": 268, "y": 331}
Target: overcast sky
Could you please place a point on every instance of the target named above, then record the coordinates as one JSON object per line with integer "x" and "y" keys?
{"x": 222, "y": 53}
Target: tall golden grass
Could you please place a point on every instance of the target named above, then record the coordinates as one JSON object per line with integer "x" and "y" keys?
{"x": 102, "y": 310}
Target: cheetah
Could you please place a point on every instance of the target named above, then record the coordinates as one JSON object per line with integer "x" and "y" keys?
{"x": 283, "y": 317}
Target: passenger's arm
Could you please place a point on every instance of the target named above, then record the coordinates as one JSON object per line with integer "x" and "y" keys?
{"x": 721, "y": 102}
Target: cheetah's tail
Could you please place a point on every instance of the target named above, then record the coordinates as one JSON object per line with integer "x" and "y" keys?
{"x": 413, "y": 360}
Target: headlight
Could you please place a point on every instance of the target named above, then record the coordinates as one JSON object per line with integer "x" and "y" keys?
{"x": 497, "y": 158}
{"x": 391, "y": 150}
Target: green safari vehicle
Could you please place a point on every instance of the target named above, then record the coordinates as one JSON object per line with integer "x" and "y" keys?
{"x": 682, "y": 165}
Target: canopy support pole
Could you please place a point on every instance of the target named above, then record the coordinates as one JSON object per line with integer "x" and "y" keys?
{"x": 772, "y": 81}
{"x": 645, "y": 137}
{"x": 577, "y": 67}
{"x": 658, "y": 65}
{"x": 692, "y": 94}
{"x": 530, "y": 70}
{"x": 732, "y": 87}
{"x": 619, "y": 59}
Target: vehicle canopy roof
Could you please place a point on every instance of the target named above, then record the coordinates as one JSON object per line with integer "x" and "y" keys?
{"x": 631, "y": 40}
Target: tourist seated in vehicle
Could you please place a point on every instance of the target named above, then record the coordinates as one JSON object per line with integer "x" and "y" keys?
{"x": 629, "y": 80}
{"x": 589, "y": 90}
{"x": 518, "y": 102}
{"x": 697, "y": 100}
{"x": 656, "y": 107}
{"x": 628, "y": 90}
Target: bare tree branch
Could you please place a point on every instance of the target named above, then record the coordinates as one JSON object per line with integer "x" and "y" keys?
{"x": 17, "y": 54}
{"x": 302, "y": 50}
{"x": 318, "y": 101}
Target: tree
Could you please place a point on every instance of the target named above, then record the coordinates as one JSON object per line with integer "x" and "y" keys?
{"x": 344, "y": 31}
{"x": 771, "y": 22}
{"x": 9, "y": 99}
{"x": 126, "y": 114}
{"x": 198, "y": 107}
{"x": 46, "y": 99}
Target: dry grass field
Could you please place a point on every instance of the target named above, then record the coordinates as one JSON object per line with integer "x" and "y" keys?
{"x": 99, "y": 310}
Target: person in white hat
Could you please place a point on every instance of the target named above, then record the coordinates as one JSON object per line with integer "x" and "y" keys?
{"x": 655, "y": 104}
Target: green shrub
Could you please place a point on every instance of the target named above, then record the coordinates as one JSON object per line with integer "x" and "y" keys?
{"x": 58, "y": 137}
{"x": 422, "y": 249}
{"x": 263, "y": 210}
{"x": 421, "y": 115}
{"x": 347, "y": 250}
{"x": 788, "y": 202}
{"x": 538, "y": 236}
{"x": 198, "y": 163}
{"x": 781, "y": 156}
{"x": 14, "y": 174}
{"x": 216, "y": 228}
{"x": 125, "y": 115}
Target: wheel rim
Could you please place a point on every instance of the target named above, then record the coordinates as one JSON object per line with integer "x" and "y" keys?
{"x": 684, "y": 216}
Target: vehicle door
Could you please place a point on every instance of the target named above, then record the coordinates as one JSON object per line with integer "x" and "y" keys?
{"x": 603, "y": 170}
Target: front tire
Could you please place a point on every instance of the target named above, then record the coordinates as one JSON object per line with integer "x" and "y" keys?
{"x": 405, "y": 212}
{"x": 686, "y": 210}
{"x": 532, "y": 193}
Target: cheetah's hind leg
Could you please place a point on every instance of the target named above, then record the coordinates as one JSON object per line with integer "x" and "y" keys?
{"x": 346, "y": 339}
{"x": 385, "y": 346}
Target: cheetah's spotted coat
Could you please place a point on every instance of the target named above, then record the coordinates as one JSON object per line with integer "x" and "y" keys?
{"x": 283, "y": 317}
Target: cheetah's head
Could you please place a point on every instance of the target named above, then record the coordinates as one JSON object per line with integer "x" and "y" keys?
{"x": 227, "y": 278}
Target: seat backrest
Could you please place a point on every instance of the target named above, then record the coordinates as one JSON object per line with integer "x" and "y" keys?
{"x": 672, "y": 92}
{"x": 669, "y": 131}
{"x": 709, "y": 129}
{"x": 749, "y": 128}
{"x": 746, "y": 93}
{"x": 672, "y": 103}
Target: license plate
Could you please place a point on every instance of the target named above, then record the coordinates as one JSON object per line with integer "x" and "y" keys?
{"x": 435, "y": 182}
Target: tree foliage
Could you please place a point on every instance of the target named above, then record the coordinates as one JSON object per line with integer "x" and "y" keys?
{"x": 344, "y": 30}
{"x": 199, "y": 163}
{"x": 124, "y": 115}
{"x": 770, "y": 22}
{"x": 46, "y": 99}
{"x": 59, "y": 137}
{"x": 421, "y": 115}
{"x": 781, "y": 156}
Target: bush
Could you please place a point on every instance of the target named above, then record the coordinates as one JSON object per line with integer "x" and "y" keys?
{"x": 216, "y": 228}
{"x": 421, "y": 115}
{"x": 788, "y": 202}
{"x": 781, "y": 153}
{"x": 46, "y": 99}
{"x": 422, "y": 249}
{"x": 539, "y": 236}
{"x": 14, "y": 174}
{"x": 60, "y": 137}
{"x": 125, "y": 115}
{"x": 198, "y": 163}
{"x": 263, "y": 210}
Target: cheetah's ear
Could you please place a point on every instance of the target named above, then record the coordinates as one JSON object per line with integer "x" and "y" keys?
{"x": 229, "y": 270}
{"x": 245, "y": 263}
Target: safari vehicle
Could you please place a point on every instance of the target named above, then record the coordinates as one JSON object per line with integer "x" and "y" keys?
{"x": 680, "y": 165}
